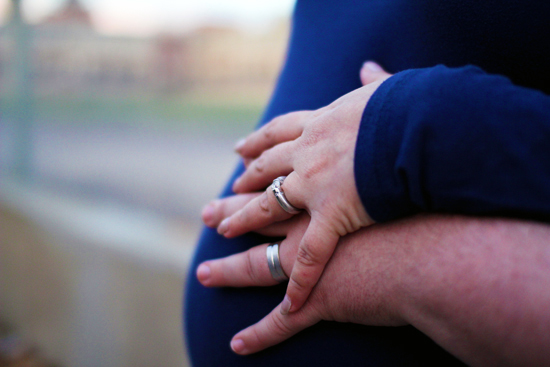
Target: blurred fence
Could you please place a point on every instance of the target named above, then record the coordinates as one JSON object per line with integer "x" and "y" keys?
{"x": 63, "y": 71}
{"x": 109, "y": 146}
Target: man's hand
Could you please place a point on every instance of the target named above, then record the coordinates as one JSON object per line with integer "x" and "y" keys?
{"x": 478, "y": 287}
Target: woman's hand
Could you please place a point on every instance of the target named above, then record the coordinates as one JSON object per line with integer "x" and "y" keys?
{"x": 315, "y": 150}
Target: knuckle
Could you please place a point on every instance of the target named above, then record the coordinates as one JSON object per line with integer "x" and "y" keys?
{"x": 316, "y": 131}
{"x": 263, "y": 203}
{"x": 251, "y": 270}
{"x": 321, "y": 111}
{"x": 261, "y": 335}
{"x": 279, "y": 326}
{"x": 299, "y": 285}
{"x": 257, "y": 336}
{"x": 241, "y": 217}
{"x": 313, "y": 168}
{"x": 309, "y": 139}
{"x": 269, "y": 129}
{"x": 307, "y": 255}
{"x": 259, "y": 164}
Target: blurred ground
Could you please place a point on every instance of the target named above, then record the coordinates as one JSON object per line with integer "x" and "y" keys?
{"x": 80, "y": 304}
{"x": 96, "y": 244}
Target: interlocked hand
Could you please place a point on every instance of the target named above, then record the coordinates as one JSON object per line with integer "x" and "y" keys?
{"x": 315, "y": 150}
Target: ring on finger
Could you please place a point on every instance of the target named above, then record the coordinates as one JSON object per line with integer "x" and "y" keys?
{"x": 274, "y": 263}
{"x": 277, "y": 188}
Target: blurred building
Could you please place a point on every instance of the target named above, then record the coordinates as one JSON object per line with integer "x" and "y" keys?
{"x": 69, "y": 56}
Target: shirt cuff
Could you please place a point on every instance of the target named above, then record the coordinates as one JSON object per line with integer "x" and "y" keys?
{"x": 381, "y": 131}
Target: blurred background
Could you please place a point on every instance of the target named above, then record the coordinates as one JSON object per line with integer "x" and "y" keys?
{"x": 117, "y": 122}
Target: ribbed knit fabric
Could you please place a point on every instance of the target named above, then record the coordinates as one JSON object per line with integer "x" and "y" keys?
{"x": 454, "y": 140}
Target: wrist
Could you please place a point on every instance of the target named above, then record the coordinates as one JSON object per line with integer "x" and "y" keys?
{"x": 378, "y": 140}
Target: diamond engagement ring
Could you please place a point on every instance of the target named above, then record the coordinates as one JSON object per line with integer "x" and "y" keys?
{"x": 277, "y": 189}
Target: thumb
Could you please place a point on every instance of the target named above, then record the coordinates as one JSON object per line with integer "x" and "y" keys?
{"x": 371, "y": 72}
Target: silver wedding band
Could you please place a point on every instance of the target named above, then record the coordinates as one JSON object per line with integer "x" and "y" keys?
{"x": 274, "y": 263}
{"x": 277, "y": 189}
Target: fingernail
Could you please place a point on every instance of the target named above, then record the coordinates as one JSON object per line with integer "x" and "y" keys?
{"x": 285, "y": 305}
{"x": 372, "y": 66}
{"x": 224, "y": 225}
{"x": 203, "y": 273}
{"x": 208, "y": 214}
{"x": 240, "y": 144}
{"x": 238, "y": 346}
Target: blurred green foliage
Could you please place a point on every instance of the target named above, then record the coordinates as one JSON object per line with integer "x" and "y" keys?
{"x": 162, "y": 112}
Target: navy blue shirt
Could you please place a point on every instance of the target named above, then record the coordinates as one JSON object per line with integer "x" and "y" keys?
{"x": 456, "y": 140}
{"x": 452, "y": 139}
{"x": 451, "y": 107}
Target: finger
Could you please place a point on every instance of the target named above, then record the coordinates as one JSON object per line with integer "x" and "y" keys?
{"x": 272, "y": 163}
{"x": 261, "y": 211}
{"x": 292, "y": 189}
{"x": 213, "y": 213}
{"x": 284, "y": 228}
{"x": 246, "y": 269}
{"x": 314, "y": 252}
{"x": 371, "y": 72}
{"x": 282, "y": 128}
{"x": 247, "y": 161}
{"x": 277, "y": 229}
{"x": 273, "y": 329}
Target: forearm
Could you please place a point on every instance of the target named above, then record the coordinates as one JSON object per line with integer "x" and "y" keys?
{"x": 479, "y": 287}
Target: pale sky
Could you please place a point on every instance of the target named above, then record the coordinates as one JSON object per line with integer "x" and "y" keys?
{"x": 144, "y": 17}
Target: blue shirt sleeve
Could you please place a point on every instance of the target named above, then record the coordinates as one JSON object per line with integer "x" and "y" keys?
{"x": 454, "y": 140}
